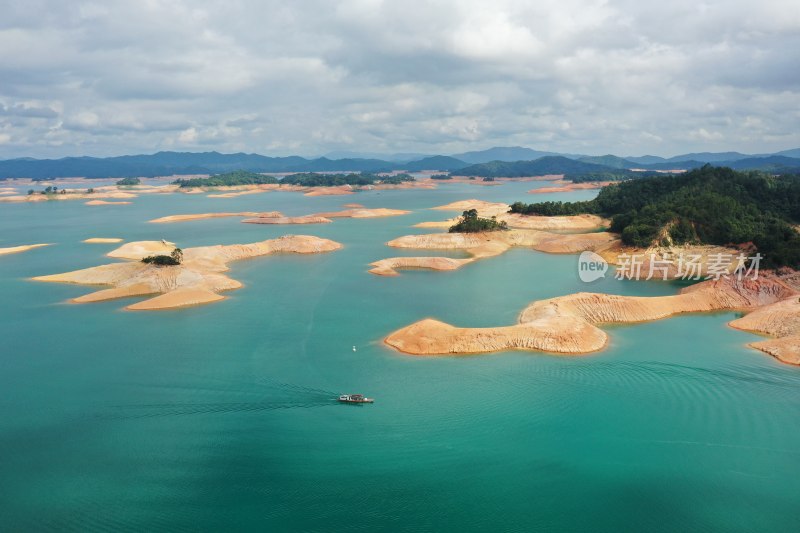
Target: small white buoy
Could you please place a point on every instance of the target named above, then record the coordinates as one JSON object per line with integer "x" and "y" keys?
{"x": 354, "y": 348}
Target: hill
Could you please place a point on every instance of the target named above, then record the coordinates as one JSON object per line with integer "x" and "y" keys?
{"x": 709, "y": 157}
{"x": 709, "y": 205}
{"x": 437, "y": 162}
{"x": 538, "y": 167}
{"x": 609, "y": 161}
{"x": 501, "y": 153}
{"x": 183, "y": 163}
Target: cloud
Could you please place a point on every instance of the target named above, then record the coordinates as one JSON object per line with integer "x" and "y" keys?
{"x": 589, "y": 76}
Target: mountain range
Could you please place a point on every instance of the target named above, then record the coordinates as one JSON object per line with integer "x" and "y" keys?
{"x": 491, "y": 162}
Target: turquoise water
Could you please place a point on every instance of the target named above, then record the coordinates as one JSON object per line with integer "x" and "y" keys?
{"x": 220, "y": 417}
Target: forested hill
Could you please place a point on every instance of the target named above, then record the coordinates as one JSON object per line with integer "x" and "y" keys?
{"x": 574, "y": 167}
{"x": 538, "y": 167}
{"x": 711, "y": 205}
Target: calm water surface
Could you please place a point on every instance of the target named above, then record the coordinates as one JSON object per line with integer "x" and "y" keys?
{"x": 222, "y": 417}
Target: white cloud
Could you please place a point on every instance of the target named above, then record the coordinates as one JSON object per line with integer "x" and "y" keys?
{"x": 588, "y": 76}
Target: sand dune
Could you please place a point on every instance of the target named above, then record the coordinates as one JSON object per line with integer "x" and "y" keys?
{"x": 197, "y": 280}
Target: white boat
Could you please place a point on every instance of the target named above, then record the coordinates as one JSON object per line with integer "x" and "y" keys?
{"x": 355, "y": 398}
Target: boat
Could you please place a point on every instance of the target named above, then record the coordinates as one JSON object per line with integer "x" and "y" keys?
{"x": 355, "y": 398}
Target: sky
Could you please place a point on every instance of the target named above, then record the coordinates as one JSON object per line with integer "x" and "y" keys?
{"x": 308, "y": 77}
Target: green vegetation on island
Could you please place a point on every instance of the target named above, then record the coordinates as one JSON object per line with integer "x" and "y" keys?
{"x": 175, "y": 258}
{"x": 471, "y": 223}
{"x": 441, "y": 177}
{"x": 48, "y": 191}
{"x": 126, "y": 182}
{"x": 313, "y": 179}
{"x": 708, "y": 205}
{"x": 237, "y": 177}
{"x": 538, "y": 167}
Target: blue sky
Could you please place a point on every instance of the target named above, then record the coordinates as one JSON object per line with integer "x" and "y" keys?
{"x": 309, "y": 77}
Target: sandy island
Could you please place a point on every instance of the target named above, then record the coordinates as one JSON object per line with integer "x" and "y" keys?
{"x": 566, "y": 186}
{"x": 528, "y": 232}
{"x": 20, "y": 249}
{"x": 276, "y": 217}
{"x": 568, "y": 324}
{"x": 105, "y": 202}
{"x": 308, "y": 219}
{"x": 197, "y": 280}
{"x": 200, "y": 216}
{"x": 574, "y": 223}
{"x": 102, "y": 240}
{"x": 363, "y": 213}
{"x": 484, "y": 245}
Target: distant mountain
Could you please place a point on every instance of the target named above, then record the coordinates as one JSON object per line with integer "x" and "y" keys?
{"x": 513, "y": 161}
{"x": 674, "y": 165}
{"x": 795, "y": 152}
{"x": 773, "y": 163}
{"x": 645, "y": 159}
{"x": 709, "y": 157}
{"x": 538, "y": 167}
{"x": 159, "y": 164}
{"x": 323, "y": 164}
{"x": 513, "y": 153}
{"x": 609, "y": 161}
{"x": 437, "y": 162}
{"x": 178, "y": 163}
{"x": 399, "y": 157}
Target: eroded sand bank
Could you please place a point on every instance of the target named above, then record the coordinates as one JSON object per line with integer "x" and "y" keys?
{"x": 483, "y": 245}
{"x": 363, "y": 213}
{"x": 197, "y": 280}
{"x": 780, "y": 319}
{"x": 514, "y": 220}
{"x": 568, "y": 324}
{"x": 309, "y": 219}
{"x": 105, "y": 202}
{"x": 566, "y": 186}
{"x": 201, "y": 216}
{"x": 20, "y": 249}
{"x": 276, "y": 217}
{"x": 102, "y": 240}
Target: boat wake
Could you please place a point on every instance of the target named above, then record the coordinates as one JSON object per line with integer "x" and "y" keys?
{"x": 268, "y": 395}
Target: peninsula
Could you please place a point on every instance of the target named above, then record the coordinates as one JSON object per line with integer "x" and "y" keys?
{"x": 568, "y": 324}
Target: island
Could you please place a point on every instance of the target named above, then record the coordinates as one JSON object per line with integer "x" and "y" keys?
{"x": 490, "y": 230}
{"x": 276, "y": 217}
{"x": 704, "y": 213}
{"x": 568, "y": 324}
{"x": 195, "y": 277}
{"x": 20, "y": 249}
{"x": 102, "y": 240}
